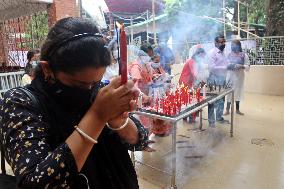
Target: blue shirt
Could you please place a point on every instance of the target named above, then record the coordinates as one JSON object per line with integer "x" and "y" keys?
{"x": 167, "y": 58}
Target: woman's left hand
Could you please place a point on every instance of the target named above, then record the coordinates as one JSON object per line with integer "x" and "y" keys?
{"x": 118, "y": 121}
{"x": 129, "y": 133}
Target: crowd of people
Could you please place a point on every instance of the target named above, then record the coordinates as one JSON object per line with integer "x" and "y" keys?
{"x": 218, "y": 68}
{"x": 71, "y": 128}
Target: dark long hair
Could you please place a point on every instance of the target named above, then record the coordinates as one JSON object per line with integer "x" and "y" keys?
{"x": 31, "y": 54}
{"x": 73, "y": 44}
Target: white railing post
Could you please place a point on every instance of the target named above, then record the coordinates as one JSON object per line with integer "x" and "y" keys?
{"x": 10, "y": 80}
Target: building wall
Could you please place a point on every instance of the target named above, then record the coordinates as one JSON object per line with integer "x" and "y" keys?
{"x": 2, "y": 48}
{"x": 63, "y": 8}
{"x": 267, "y": 80}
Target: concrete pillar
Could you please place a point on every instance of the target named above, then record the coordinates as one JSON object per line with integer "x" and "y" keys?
{"x": 63, "y": 8}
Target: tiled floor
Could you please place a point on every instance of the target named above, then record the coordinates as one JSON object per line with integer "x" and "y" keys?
{"x": 213, "y": 160}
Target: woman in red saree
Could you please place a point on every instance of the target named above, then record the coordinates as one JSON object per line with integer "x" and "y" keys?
{"x": 194, "y": 72}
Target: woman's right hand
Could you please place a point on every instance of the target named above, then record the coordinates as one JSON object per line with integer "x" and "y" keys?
{"x": 115, "y": 99}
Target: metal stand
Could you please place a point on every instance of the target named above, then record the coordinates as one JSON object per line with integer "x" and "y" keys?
{"x": 174, "y": 121}
{"x": 133, "y": 157}
{"x": 174, "y": 135}
{"x": 200, "y": 119}
{"x": 232, "y": 114}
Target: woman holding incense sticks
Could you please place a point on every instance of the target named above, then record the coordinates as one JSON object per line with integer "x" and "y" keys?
{"x": 238, "y": 64}
{"x": 64, "y": 130}
{"x": 112, "y": 71}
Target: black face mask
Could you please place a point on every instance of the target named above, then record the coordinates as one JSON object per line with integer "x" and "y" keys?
{"x": 74, "y": 97}
{"x": 221, "y": 47}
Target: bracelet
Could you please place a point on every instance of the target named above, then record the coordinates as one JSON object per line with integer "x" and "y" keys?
{"x": 119, "y": 128}
{"x": 85, "y": 135}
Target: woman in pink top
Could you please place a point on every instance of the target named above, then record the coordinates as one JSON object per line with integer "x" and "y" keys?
{"x": 142, "y": 73}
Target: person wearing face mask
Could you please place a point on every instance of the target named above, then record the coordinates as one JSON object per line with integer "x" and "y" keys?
{"x": 156, "y": 65}
{"x": 238, "y": 63}
{"x": 32, "y": 57}
{"x": 148, "y": 49}
{"x": 194, "y": 72}
{"x": 166, "y": 55}
{"x": 141, "y": 73}
{"x": 160, "y": 77}
{"x": 157, "y": 84}
{"x": 195, "y": 69}
{"x": 159, "y": 87}
{"x": 217, "y": 63}
{"x": 65, "y": 130}
{"x": 28, "y": 77}
{"x": 158, "y": 70}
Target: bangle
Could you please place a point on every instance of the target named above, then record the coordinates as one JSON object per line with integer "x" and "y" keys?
{"x": 85, "y": 135}
{"x": 119, "y": 128}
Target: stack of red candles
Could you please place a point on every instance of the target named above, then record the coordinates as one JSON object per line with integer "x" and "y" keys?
{"x": 172, "y": 103}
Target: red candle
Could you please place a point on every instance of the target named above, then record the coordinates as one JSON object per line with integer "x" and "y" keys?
{"x": 174, "y": 110}
{"x": 123, "y": 56}
{"x": 157, "y": 105}
{"x": 171, "y": 103}
{"x": 162, "y": 106}
{"x": 185, "y": 96}
{"x": 168, "y": 108}
{"x": 198, "y": 94}
{"x": 189, "y": 97}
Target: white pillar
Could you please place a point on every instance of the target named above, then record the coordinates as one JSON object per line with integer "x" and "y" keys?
{"x": 131, "y": 26}
{"x": 239, "y": 24}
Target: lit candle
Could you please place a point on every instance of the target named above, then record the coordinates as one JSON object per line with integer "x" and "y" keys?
{"x": 157, "y": 105}
{"x": 188, "y": 93}
{"x": 162, "y": 106}
{"x": 198, "y": 94}
{"x": 185, "y": 100}
{"x": 204, "y": 91}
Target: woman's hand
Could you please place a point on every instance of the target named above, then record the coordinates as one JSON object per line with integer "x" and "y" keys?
{"x": 118, "y": 121}
{"x": 129, "y": 133}
{"x": 146, "y": 100}
{"x": 239, "y": 66}
{"x": 156, "y": 77}
{"x": 115, "y": 100}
